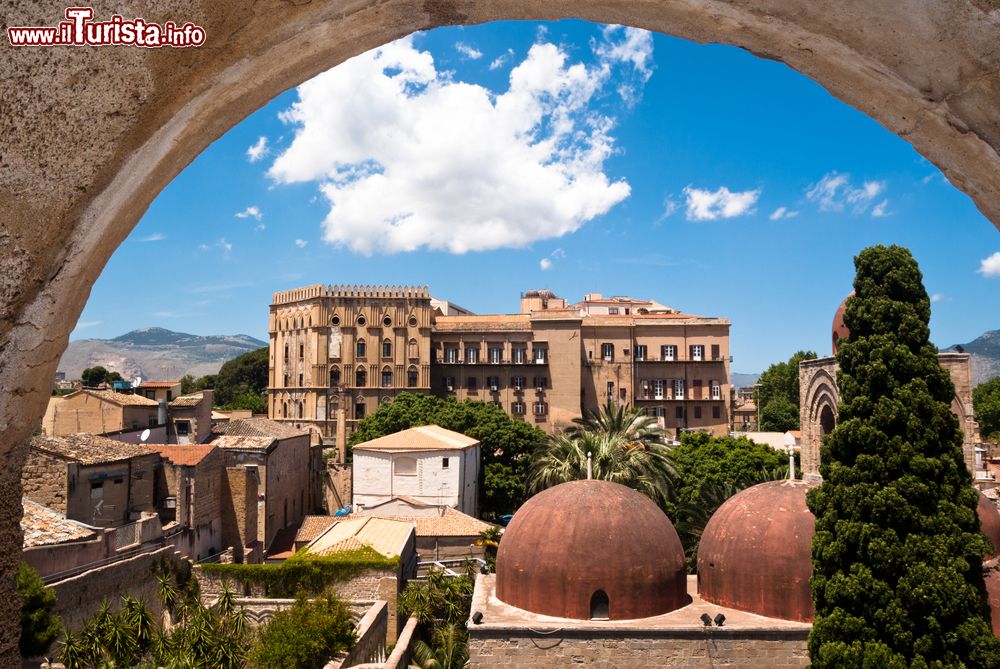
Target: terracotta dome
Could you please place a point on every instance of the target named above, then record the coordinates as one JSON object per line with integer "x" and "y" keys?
{"x": 591, "y": 549}
{"x": 840, "y": 330}
{"x": 756, "y": 552}
{"x": 989, "y": 520}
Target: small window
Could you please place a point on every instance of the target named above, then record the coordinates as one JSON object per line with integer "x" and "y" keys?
{"x": 600, "y": 606}
{"x": 404, "y": 466}
{"x": 444, "y": 463}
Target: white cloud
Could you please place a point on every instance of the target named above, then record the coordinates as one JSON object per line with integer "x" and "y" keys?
{"x": 706, "y": 205}
{"x": 499, "y": 61}
{"x": 250, "y": 212}
{"x": 301, "y": 243}
{"x": 835, "y": 192}
{"x": 155, "y": 237}
{"x": 259, "y": 150}
{"x": 782, "y": 212}
{"x": 990, "y": 267}
{"x": 545, "y": 264}
{"x": 407, "y": 158}
{"x": 470, "y": 52}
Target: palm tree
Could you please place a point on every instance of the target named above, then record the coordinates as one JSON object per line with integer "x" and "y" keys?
{"x": 625, "y": 446}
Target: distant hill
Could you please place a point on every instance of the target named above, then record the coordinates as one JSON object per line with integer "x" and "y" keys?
{"x": 985, "y": 350}
{"x": 743, "y": 380}
{"x": 156, "y": 354}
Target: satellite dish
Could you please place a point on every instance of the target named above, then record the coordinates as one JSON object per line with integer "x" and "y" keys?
{"x": 144, "y": 437}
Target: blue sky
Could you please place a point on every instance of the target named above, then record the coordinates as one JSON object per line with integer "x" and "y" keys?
{"x": 489, "y": 160}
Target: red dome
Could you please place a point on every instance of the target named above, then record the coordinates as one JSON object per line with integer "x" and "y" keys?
{"x": 989, "y": 520}
{"x": 756, "y": 552}
{"x": 840, "y": 330}
{"x": 578, "y": 544}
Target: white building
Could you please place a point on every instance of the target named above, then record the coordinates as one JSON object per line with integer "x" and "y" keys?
{"x": 428, "y": 463}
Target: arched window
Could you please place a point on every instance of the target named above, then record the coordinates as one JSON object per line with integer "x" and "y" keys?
{"x": 386, "y": 348}
{"x": 413, "y": 350}
{"x": 360, "y": 378}
{"x": 335, "y": 376}
{"x": 827, "y": 421}
{"x": 600, "y": 606}
{"x": 359, "y": 348}
{"x": 386, "y": 377}
{"x": 404, "y": 466}
{"x": 412, "y": 377}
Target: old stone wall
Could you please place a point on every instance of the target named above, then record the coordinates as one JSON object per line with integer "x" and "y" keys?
{"x": 710, "y": 650}
{"x": 238, "y": 509}
{"x": 78, "y": 597}
{"x": 43, "y": 480}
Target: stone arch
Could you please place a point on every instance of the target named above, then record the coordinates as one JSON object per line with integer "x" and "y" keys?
{"x": 72, "y": 197}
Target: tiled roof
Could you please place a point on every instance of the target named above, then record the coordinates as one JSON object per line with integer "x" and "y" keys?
{"x": 159, "y": 384}
{"x": 423, "y": 438}
{"x": 43, "y": 526}
{"x": 87, "y": 448}
{"x": 183, "y": 454}
{"x": 313, "y": 526}
{"x": 234, "y": 443}
{"x": 124, "y": 399}
{"x": 259, "y": 427}
{"x": 191, "y": 400}
{"x": 384, "y": 536}
{"x": 448, "y": 522}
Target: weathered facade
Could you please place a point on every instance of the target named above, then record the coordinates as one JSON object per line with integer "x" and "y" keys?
{"x": 97, "y": 412}
{"x": 91, "y": 479}
{"x": 548, "y": 364}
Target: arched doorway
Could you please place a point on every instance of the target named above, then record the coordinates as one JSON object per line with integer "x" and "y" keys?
{"x": 81, "y": 166}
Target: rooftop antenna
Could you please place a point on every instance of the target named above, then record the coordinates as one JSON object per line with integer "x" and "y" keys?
{"x": 590, "y": 467}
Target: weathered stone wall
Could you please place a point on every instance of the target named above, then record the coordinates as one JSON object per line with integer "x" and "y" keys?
{"x": 77, "y": 598}
{"x": 44, "y": 480}
{"x": 696, "y": 651}
{"x": 238, "y": 511}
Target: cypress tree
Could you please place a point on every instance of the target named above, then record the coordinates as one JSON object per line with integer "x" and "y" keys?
{"x": 897, "y": 556}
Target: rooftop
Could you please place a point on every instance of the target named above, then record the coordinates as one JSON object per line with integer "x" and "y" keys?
{"x": 423, "y": 438}
{"x": 43, "y": 526}
{"x": 237, "y": 443}
{"x": 384, "y": 536}
{"x": 159, "y": 384}
{"x": 124, "y": 399}
{"x": 186, "y": 455}
{"x": 88, "y": 449}
{"x": 259, "y": 427}
{"x": 191, "y": 400}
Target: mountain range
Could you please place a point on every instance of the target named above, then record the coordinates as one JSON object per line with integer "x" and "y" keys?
{"x": 985, "y": 350}
{"x": 156, "y": 354}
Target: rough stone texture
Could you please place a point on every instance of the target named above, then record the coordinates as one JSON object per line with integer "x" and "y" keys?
{"x": 820, "y": 395}
{"x": 91, "y": 135}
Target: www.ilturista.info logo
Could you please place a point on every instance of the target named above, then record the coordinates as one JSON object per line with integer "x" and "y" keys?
{"x": 80, "y": 30}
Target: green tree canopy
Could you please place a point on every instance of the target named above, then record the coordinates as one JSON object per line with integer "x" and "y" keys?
{"x": 779, "y": 385}
{"x": 897, "y": 556}
{"x": 986, "y": 404}
{"x": 506, "y": 443}
{"x": 40, "y": 626}
{"x": 625, "y": 446}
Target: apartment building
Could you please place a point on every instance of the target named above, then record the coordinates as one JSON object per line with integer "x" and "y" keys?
{"x": 549, "y": 363}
